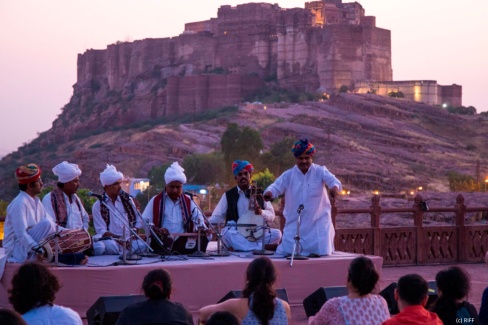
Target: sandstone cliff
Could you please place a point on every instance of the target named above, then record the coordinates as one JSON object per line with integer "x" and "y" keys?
{"x": 369, "y": 142}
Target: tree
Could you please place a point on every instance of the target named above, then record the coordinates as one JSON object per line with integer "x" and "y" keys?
{"x": 264, "y": 178}
{"x": 240, "y": 144}
{"x": 280, "y": 158}
{"x": 204, "y": 168}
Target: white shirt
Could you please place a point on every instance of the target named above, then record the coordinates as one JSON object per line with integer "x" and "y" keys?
{"x": 52, "y": 315}
{"x": 23, "y": 213}
{"x": 118, "y": 218}
{"x": 316, "y": 229}
{"x": 173, "y": 220}
{"x": 76, "y": 219}
{"x": 220, "y": 211}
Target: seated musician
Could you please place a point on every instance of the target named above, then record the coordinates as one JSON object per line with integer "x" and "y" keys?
{"x": 171, "y": 211}
{"x": 64, "y": 205}
{"x": 27, "y": 222}
{"x": 234, "y": 205}
{"x": 113, "y": 217}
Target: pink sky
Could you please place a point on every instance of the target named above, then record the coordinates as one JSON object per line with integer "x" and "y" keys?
{"x": 441, "y": 40}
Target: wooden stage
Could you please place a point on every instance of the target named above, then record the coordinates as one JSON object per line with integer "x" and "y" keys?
{"x": 196, "y": 282}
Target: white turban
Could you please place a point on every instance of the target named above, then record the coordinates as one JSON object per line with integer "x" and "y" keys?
{"x": 66, "y": 172}
{"x": 175, "y": 173}
{"x": 110, "y": 175}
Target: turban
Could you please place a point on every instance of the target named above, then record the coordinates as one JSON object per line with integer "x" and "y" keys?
{"x": 66, "y": 172}
{"x": 110, "y": 175}
{"x": 239, "y": 165}
{"x": 175, "y": 173}
{"x": 28, "y": 174}
{"x": 301, "y": 147}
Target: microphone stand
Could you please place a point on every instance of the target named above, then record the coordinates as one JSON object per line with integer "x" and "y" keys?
{"x": 219, "y": 236}
{"x": 296, "y": 244}
{"x": 150, "y": 232}
{"x": 263, "y": 251}
{"x": 121, "y": 218}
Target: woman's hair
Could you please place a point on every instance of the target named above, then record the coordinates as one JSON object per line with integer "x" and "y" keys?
{"x": 10, "y": 317}
{"x": 32, "y": 286}
{"x": 363, "y": 275}
{"x": 157, "y": 284}
{"x": 260, "y": 277}
{"x": 454, "y": 284}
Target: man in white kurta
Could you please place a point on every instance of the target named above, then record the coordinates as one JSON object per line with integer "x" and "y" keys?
{"x": 223, "y": 213}
{"x": 117, "y": 213}
{"x": 26, "y": 223}
{"x": 64, "y": 205}
{"x": 171, "y": 211}
{"x": 304, "y": 184}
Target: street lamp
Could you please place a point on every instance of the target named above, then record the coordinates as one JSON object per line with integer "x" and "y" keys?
{"x": 486, "y": 182}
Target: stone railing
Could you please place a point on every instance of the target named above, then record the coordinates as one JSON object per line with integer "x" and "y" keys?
{"x": 417, "y": 244}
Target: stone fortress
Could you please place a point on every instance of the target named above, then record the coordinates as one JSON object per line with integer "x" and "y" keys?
{"x": 319, "y": 48}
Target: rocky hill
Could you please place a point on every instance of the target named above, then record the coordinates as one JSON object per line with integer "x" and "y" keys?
{"x": 369, "y": 142}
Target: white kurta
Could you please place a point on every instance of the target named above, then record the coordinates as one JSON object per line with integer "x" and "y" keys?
{"x": 118, "y": 219}
{"x": 50, "y": 315}
{"x": 316, "y": 230}
{"x": 173, "y": 220}
{"x": 76, "y": 219}
{"x": 230, "y": 235}
{"x": 23, "y": 229}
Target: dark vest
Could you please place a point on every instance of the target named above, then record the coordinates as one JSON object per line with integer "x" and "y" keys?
{"x": 232, "y": 196}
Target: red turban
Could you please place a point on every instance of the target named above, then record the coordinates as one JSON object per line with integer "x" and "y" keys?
{"x": 28, "y": 174}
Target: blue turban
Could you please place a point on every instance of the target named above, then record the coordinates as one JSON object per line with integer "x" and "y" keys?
{"x": 239, "y": 165}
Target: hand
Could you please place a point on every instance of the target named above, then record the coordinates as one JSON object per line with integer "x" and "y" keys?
{"x": 160, "y": 231}
{"x": 257, "y": 210}
{"x": 334, "y": 192}
{"x": 268, "y": 196}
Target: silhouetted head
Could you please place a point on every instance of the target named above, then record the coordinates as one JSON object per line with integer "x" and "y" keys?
{"x": 412, "y": 289}
{"x": 157, "y": 284}
{"x": 362, "y": 275}
{"x": 453, "y": 283}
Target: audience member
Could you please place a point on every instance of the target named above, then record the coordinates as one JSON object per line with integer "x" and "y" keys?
{"x": 258, "y": 304}
{"x": 359, "y": 306}
{"x": 411, "y": 295}
{"x": 222, "y": 318}
{"x": 157, "y": 309}
{"x": 483, "y": 315}
{"x": 10, "y": 317}
{"x": 33, "y": 291}
{"x": 453, "y": 286}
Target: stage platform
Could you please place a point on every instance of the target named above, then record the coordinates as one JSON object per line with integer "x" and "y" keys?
{"x": 196, "y": 281}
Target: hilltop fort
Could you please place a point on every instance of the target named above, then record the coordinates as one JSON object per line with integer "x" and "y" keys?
{"x": 326, "y": 45}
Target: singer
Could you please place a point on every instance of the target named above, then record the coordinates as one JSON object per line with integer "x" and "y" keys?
{"x": 108, "y": 225}
{"x": 172, "y": 211}
{"x": 304, "y": 184}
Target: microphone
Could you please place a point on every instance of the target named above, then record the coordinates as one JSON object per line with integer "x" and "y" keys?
{"x": 98, "y": 196}
{"x": 300, "y": 208}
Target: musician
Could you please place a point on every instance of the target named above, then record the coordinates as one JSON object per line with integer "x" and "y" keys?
{"x": 27, "y": 222}
{"x": 235, "y": 203}
{"x": 110, "y": 221}
{"x": 304, "y": 184}
{"x": 64, "y": 205}
{"x": 171, "y": 211}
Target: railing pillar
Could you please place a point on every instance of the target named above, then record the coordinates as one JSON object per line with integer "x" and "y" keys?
{"x": 418, "y": 220}
{"x": 375, "y": 212}
{"x": 461, "y": 228}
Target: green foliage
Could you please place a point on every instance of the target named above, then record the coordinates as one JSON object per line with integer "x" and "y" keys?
{"x": 204, "y": 168}
{"x": 461, "y": 183}
{"x": 279, "y": 158}
{"x": 344, "y": 89}
{"x": 3, "y": 208}
{"x": 396, "y": 94}
{"x": 218, "y": 70}
{"x": 470, "y": 110}
{"x": 156, "y": 175}
{"x": 85, "y": 199}
{"x": 240, "y": 143}
{"x": 264, "y": 178}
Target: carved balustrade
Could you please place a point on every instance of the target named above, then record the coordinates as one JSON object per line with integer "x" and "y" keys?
{"x": 416, "y": 244}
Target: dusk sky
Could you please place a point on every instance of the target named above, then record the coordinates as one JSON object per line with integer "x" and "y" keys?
{"x": 443, "y": 40}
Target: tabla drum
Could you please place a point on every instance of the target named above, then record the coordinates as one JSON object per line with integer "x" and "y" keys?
{"x": 70, "y": 241}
